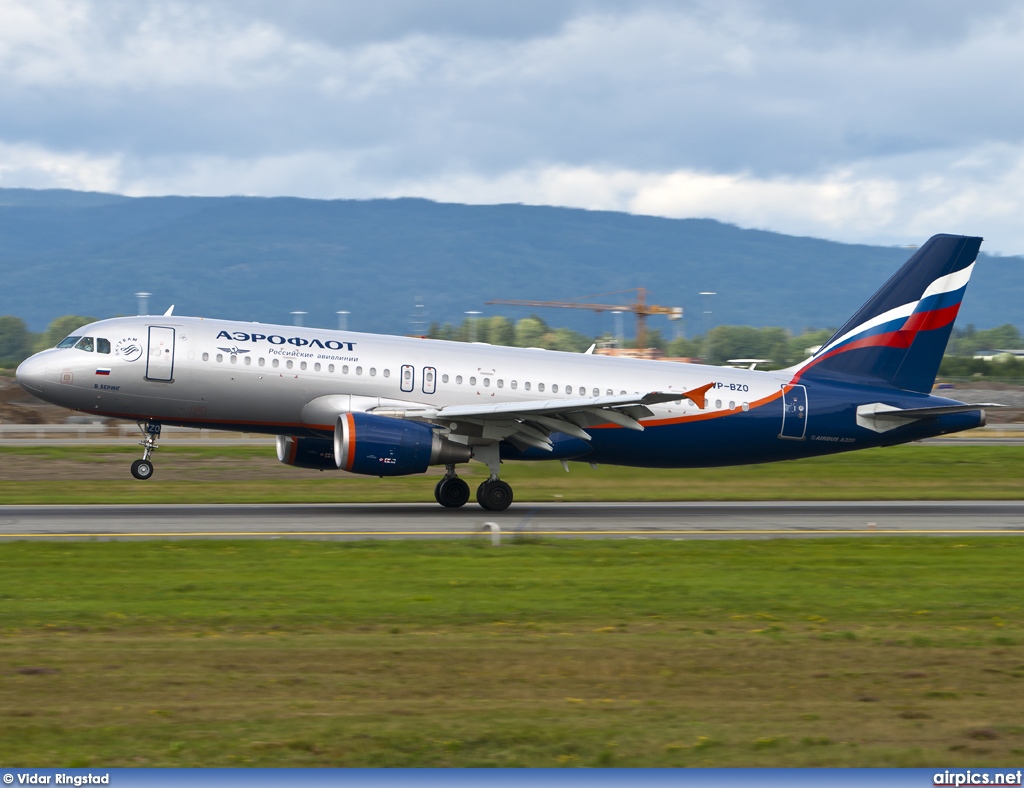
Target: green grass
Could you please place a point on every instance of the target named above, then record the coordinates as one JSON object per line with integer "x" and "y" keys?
{"x": 199, "y": 475}
{"x": 882, "y": 652}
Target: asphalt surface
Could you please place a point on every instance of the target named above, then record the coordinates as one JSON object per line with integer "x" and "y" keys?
{"x": 748, "y": 520}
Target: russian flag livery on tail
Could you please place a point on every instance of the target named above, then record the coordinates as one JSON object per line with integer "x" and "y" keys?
{"x": 899, "y": 336}
{"x": 392, "y": 406}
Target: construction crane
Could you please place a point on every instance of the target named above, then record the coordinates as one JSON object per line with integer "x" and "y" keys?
{"x": 639, "y": 307}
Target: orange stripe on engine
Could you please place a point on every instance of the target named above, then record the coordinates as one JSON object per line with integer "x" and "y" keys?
{"x": 350, "y": 460}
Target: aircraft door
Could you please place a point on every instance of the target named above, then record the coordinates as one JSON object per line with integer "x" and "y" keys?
{"x": 408, "y": 377}
{"x": 429, "y": 380}
{"x": 160, "y": 361}
{"x": 794, "y": 412}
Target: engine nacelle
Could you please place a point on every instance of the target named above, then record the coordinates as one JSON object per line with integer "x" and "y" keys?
{"x": 383, "y": 446}
{"x": 306, "y": 452}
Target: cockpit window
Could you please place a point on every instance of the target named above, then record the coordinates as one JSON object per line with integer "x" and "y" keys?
{"x": 102, "y": 345}
{"x": 69, "y": 342}
{"x": 86, "y": 344}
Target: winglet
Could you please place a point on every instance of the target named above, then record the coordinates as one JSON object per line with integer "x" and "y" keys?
{"x": 698, "y": 395}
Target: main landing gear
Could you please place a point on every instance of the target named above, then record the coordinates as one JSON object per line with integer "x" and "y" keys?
{"x": 494, "y": 495}
{"x": 451, "y": 491}
{"x": 143, "y": 469}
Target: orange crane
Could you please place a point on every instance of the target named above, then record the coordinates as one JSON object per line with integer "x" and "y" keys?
{"x": 638, "y": 307}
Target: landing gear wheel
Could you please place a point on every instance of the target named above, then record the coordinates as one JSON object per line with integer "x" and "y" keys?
{"x": 142, "y": 469}
{"x": 494, "y": 495}
{"x": 452, "y": 492}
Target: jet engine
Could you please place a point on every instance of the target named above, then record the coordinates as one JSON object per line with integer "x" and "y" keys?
{"x": 306, "y": 452}
{"x": 383, "y": 446}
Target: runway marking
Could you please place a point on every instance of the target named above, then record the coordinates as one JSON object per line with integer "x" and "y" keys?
{"x": 579, "y": 532}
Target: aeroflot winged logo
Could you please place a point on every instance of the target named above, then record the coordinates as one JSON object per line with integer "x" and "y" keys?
{"x": 234, "y": 350}
{"x": 277, "y": 339}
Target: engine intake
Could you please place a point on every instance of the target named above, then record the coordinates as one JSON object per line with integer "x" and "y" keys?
{"x": 383, "y": 446}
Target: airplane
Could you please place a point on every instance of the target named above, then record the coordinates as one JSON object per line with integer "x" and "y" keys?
{"x": 390, "y": 405}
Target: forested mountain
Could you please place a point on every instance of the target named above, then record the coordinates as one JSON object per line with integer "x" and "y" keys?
{"x": 64, "y": 252}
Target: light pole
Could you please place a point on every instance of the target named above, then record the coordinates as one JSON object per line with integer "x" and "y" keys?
{"x": 619, "y": 339}
{"x": 343, "y": 319}
{"x": 707, "y": 309}
{"x": 143, "y": 302}
{"x": 472, "y": 324}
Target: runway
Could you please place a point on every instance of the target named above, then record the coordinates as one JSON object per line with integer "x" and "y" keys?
{"x": 746, "y": 520}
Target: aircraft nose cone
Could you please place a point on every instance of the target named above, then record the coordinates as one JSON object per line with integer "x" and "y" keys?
{"x": 31, "y": 374}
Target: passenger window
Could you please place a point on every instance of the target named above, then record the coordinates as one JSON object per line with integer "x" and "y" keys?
{"x": 373, "y": 372}
{"x": 85, "y": 343}
{"x": 359, "y": 370}
{"x": 568, "y": 389}
{"x": 344, "y": 369}
{"x": 387, "y": 373}
{"x": 262, "y": 362}
{"x": 597, "y": 392}
{"x": 458, "y": 380}
{"x": 554, "y": 389}
{"x": 316, "y": 367}
{"x": 540, "y": 387}
{"x": 248, "y": 360}
{"x": 514, "y": 384}
{"x": 102, "y": 345}
{"x": 206, "y": 357}
{"x": 68, "y": 342}
{"x": 472, "y": 381}
{"x": 276, "y": 363}
{"x": 302, "y": 365}
{"x": 330, "y": 367}
{"x": 526, "y": 385}
{"x": 289, "y": 363}
{"x": 444, "y": 378}
{"x": 234, "y": 359}
{"x": 609, "y": 392}
{"x": 487, "y": 382}
{"x": 220, "y": 357}
{"x": 501, "y": 383}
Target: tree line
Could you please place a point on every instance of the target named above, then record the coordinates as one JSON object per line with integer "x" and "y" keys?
{"x": 718, "y": 346}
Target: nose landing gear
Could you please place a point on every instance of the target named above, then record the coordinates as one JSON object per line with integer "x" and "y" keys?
{"x": 143, "y": 469}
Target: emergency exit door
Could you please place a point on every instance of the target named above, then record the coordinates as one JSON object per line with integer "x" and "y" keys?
{"x": 160, "y": 360}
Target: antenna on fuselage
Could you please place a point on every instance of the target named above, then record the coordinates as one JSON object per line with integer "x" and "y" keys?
{"x": 170, "y": 311}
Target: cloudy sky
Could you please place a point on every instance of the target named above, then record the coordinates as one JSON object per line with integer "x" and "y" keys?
{"x": 869, "y": 121}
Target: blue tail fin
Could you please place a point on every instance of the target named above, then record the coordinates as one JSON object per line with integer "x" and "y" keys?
{"x": 899, "y": 336}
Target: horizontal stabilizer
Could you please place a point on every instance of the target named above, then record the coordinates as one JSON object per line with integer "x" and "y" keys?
{"x": 879, "y": 417}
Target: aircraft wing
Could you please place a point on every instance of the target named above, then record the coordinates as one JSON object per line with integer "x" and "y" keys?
{"x": 530, "y": 423}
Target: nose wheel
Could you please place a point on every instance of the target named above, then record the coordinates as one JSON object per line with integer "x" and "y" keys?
{"x": 143, "y": 469}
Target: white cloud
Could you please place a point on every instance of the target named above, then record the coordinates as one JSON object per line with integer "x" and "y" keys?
{"x": 862, "y": 122}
